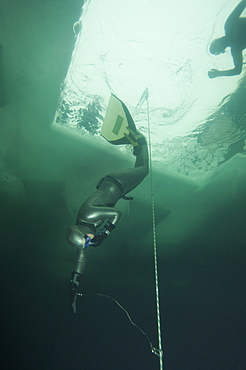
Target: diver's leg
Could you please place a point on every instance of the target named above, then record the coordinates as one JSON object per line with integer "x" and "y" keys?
{"x": 132, "y": 177}
{"x": 80, "y": 261}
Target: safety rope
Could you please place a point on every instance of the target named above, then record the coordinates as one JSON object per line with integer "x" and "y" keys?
{"x": 146, "y": 96}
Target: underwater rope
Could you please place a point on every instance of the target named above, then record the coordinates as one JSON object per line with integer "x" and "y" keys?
{"x": 146, "y": 97}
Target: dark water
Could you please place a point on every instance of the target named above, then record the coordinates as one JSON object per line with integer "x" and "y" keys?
{"x": 202, "y": 290}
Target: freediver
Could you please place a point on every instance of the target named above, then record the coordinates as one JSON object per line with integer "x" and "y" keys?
{"x": 235, "y": 38}
{"x": 97, "y": 216}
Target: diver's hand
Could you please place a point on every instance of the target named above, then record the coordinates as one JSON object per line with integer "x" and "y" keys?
{"x": 72, "y": 289}
{"x": 213, "y": 73}
{"x": 97, "y": 240}
{"x": 102, "y": 234}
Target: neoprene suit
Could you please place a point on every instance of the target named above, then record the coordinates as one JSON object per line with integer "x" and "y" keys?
{"x": 99, "y": 209}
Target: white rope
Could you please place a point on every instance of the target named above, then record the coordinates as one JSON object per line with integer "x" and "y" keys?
{"x": 154, "y": 239}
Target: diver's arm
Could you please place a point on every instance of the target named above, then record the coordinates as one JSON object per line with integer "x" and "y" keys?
{"x": 100, "y": 214}
{"x": 102, "y": 234}
{"x": 113, "y": 215}
{"x": 76, "y": 277}
{"x": 97, "y": 216}
{"x": 235, "y": 14}
{"x": 238, "y": 62}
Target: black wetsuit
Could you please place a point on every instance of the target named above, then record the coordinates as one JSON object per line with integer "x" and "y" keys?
{"x": 99, "y": 209}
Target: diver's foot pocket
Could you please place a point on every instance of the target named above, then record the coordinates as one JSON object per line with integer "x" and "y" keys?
{"x": 136, "y": 139}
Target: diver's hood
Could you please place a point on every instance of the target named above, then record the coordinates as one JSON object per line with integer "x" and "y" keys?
{"x": 75, "y": 236}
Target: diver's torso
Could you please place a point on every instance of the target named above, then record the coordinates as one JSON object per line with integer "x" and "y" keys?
{"x": 93, "y": 209}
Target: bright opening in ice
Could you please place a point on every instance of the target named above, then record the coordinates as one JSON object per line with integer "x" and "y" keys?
{"x": 124, "y": 47}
